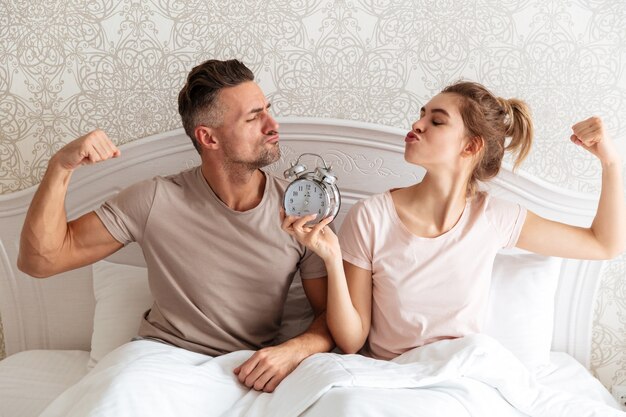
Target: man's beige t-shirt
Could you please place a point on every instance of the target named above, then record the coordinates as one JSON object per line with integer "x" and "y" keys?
{"x": 219, "y": 277}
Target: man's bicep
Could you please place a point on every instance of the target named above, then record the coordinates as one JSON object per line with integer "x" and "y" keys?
{"x": 88, "y": 241}
{"x": 315, "y": 290}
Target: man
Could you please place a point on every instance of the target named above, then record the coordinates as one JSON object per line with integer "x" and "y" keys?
{"x": 218, "y": 262}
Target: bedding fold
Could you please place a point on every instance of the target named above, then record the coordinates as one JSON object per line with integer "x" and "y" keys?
{"x": 458, "y": 377}
{"x": 477, "y": 358}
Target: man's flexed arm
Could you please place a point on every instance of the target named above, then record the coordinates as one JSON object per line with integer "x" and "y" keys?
{"x": 49, "y": 244}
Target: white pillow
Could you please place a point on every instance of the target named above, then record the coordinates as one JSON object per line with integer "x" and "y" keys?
{"x": 520, "y": 312}
{"x": 122, "y": 297}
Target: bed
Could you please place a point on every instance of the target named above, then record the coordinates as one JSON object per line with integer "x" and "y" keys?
{"x": 56, "y": 330}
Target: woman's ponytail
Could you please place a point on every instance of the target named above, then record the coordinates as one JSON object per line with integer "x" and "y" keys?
{"x": 519, "y": 127}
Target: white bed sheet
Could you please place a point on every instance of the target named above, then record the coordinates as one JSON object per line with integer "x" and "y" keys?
{"x": 472, "y": 376}
{"x": 566, "y": 373}
{"x": 563, "y": 372}
{"x": 30, "y": 380}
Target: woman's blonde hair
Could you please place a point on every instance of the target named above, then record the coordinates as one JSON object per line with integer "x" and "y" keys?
{"x": 492, "y": 120}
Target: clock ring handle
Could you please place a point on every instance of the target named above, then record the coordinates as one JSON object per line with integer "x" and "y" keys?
{"x": 313, "y": 154}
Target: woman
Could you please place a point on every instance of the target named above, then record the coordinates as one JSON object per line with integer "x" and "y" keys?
{"x": 417, "y": 260}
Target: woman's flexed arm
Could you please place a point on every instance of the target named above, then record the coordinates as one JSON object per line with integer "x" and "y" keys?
{"x": 606, "y": 237}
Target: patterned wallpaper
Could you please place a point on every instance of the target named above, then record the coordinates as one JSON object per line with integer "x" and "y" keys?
{"x": 69, "y": 66}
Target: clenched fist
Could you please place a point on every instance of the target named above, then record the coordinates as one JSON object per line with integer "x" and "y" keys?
{"x": 93, "y": 147}
{"x": 590, "y": 135}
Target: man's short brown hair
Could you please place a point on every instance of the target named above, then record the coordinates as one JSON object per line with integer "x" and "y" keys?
{"x": 197, "y": 101}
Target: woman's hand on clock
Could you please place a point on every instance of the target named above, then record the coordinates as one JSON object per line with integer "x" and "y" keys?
{"x": 319, "y": 238}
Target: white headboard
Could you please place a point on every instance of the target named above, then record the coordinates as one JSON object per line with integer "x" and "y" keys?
{"x": 57, "y": 313}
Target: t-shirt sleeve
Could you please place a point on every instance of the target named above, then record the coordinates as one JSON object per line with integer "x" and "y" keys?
{"x": 312, "y": 266}
{"x": 125, "y": 215}
{"x": 507, "y": 219}
{"x": 355, "y": 237}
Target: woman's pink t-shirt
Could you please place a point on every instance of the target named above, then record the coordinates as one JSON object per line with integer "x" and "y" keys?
{"x": 427, "y": 289}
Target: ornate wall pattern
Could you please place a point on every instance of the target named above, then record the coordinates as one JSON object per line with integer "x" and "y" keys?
{"x": 67, "y": 67}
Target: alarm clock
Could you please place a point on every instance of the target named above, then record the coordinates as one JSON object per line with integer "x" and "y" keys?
{"x": 311, "y": 192}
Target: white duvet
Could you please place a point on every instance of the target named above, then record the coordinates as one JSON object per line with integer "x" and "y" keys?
{"x": 473, "y": 376}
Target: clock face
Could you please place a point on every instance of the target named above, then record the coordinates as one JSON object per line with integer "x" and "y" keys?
{"x": 304, "y": 197}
